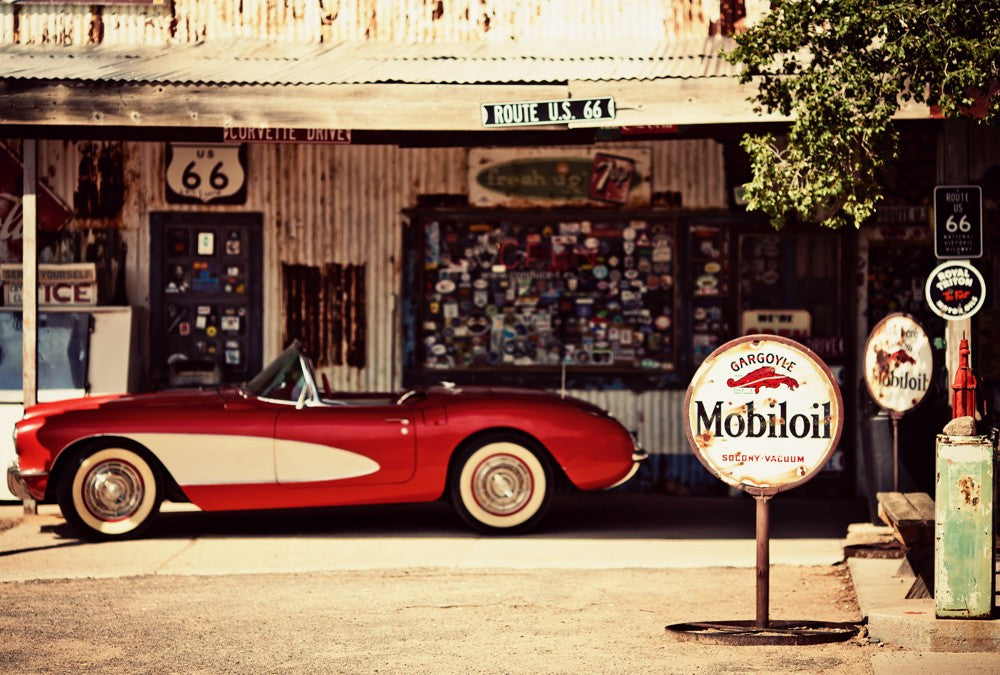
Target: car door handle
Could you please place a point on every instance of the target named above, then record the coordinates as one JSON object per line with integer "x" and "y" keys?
{"x": 401, "y": 420}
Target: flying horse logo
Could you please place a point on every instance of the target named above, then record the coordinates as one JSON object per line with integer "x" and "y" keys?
{"x": 763, "y": 377}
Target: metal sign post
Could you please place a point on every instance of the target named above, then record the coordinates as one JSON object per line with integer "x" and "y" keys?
{"x": 899, "y": 367}
{"x": 764, "y": 414}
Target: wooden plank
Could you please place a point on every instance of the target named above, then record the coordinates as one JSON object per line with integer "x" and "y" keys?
{"x": 400, "y": 107}
{"x": 897, "y": 508}
{"x": 922, "y": 504}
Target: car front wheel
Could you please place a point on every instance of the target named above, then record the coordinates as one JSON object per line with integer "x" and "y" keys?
{"x": 502, "y": 484}
{"x": 111, "y": 493}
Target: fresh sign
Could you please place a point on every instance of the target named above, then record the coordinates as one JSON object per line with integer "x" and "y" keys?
{"x": 764, "y": 413}
{"x": 898, "y": 363}
{"x": 530, "y": 113}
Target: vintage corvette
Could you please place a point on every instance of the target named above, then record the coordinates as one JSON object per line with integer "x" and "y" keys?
{"x": 282, "y": 441}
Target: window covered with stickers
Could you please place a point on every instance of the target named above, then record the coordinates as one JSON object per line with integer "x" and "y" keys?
{"x": 205, "y": 295}
{"x": 538, "y": 292}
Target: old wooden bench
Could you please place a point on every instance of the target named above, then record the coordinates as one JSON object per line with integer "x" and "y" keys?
{"x": 911, "y": 516}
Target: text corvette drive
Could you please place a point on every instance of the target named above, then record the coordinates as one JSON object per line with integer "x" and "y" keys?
{"x": 279, "y": 441}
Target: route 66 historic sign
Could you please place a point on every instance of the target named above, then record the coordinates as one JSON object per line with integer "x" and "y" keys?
{"x": 764, "y": 413}
{"x": 206, "y": 173}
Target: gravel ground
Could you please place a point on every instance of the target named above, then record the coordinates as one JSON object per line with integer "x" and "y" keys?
{"x": 420, "y": 621}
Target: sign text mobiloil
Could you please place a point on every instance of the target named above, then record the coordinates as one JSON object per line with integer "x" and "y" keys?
{"x": 764, "y": 413}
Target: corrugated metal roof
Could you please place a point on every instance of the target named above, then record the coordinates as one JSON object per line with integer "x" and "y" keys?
{"x": 249, "y": 62}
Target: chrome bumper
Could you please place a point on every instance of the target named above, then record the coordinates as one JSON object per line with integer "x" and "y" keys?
{"x": 15, "y": 481}
{"x": 637, "y": 458}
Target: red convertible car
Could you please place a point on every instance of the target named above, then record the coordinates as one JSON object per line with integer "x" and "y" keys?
{"x": 280, "y": 441}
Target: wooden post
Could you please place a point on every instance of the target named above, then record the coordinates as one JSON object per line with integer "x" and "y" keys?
{"x": 964, "y": 577}
{"x": 29, "y": 284}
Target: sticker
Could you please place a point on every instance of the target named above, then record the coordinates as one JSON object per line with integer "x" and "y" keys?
{"x": 232, "y": 344}
{"x": 184, "y": 328}
{"x": 233, "y": 357}
{"x": 204, "y": 310}
{"x": 210, "y": 332}
{"x": 600, "y": 272}
{"x": 439, "y": 350}
{"x": 177, "y": 241}
{"x": 178, "y": 280}
{"x": 233, "y": 243}
{"x": 445, "y": 286}
{"x": 206, "y": 243}
{"x": 713, "y": 267}
{"x": 662, "y": 322}
{"x": 230, "y": 323}
{"x": 200, "y": 322}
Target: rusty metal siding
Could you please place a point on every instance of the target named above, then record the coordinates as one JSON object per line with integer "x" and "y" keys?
{"x": 382, "y": 21}
{"x": 694, "y": 168}
{"x": 657, "y": 416}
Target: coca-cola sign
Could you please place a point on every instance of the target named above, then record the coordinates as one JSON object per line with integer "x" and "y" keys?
{"x": 764, "y": 413}
{"x": 898, "y": 363}
{"x": 51, "y": 213}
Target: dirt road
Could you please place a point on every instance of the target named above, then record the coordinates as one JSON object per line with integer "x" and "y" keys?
{"x": 418, "y": 621}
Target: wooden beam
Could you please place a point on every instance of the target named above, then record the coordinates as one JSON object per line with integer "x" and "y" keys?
{"x": 29, "y": 283}
{"x": 362, "y": 107}
{"x": 712, "y": 100}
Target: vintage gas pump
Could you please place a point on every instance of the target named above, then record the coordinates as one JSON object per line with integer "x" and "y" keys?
{"x": 964, "y": 577}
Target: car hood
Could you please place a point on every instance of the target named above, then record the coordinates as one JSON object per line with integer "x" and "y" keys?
{"x": 185, "y": 397}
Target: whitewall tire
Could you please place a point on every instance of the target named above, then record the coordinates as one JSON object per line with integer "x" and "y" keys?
{"x": 502, "y": 484}
{"x": 112, "y": 493}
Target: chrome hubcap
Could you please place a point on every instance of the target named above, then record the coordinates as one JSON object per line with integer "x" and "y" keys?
{"x": 113, "y": 490}
{"x": 502, "y": 485}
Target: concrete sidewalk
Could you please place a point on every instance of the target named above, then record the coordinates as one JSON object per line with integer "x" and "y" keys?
{"x": 929, "y": 644}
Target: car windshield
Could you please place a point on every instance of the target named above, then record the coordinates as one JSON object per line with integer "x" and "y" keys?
{"x": 283, "y": 379}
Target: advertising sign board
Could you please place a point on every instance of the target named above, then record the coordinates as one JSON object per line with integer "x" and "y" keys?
{"x": 955, "y": 290}
{"x": 958, "y": 221}
{"x": 764, "y": 413}
{"x": 562, "y": 111}
{"x": 899, "y": 363}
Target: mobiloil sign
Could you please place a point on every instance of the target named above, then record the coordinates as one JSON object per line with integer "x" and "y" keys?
{"x": 898, "y": 363}
{"x": 764, "y": 413}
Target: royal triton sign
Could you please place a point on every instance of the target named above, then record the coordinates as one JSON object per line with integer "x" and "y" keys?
{"x": 955, "y": 290}
{"x": 764, "y": 413}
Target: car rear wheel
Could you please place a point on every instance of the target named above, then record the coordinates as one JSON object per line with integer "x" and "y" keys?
{"x": 110, "y": 493}
{"x": 501, "y": 485}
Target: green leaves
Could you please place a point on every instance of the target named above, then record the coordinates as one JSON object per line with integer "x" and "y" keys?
{"x": 839, "y": 68}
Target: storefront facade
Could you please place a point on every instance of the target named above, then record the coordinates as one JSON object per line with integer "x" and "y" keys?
{"x": 605, "y": 261}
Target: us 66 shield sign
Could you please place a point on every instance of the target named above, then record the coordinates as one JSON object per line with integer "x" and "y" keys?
{"x": 206, "y": 173}
{"x": 958, "y": 221}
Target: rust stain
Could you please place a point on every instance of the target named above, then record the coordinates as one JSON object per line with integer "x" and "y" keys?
{"x": 970, "y": 491}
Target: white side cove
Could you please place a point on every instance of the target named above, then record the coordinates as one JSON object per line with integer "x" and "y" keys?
{"x": 219, "y": 459}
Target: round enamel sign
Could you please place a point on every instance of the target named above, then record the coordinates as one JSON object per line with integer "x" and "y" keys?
{"x": 764, "y": 413}
{"x": 955, "y": 290}
{"x": 898, "y": 363}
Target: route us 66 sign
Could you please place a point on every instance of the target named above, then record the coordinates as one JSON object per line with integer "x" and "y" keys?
{"x": 206, "y": 173}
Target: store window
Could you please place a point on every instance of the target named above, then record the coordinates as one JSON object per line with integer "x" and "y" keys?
{"x": 534, "y": 293}
{"x": 791, "y": 285}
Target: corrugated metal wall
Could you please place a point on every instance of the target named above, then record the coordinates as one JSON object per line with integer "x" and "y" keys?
{"x": 343, "y": 204}
{"x": 312, "y": 21}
